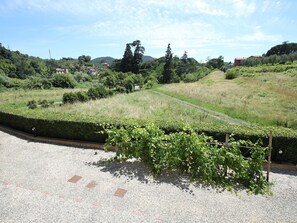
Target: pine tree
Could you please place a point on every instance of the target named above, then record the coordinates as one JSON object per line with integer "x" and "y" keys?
{"x": 168, "y": 73}
{"x": 126, "y": 62}
{"x": 137, "y": 57}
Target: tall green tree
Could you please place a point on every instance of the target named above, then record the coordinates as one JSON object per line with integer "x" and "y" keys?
{"x": 126, "y": 62}
{"x": 216, "y": 63}
{"x": 137, "y": 57}
{"x": 168, "y": 73}
{"x": 284, "y": 48}
{"x": 131, "y": 62}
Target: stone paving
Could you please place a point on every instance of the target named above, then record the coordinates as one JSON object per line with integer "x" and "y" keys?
{"x": 49, "y": 183}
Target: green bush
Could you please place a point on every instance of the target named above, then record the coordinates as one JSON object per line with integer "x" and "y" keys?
{"x": 98, "y": 92}
{"x": 190, "y": 78}
{"x": 193, "y": 154}
{"x": 70, "y": 98}
{"x": 32, "y": 104}
{"x": 82, "y": 77}
{"x": 44, "y": 104}
{"x": 38, "y": 83}
{"x": 82, "y": 96}
{"x": 56, "y": 128}
{"x": 63, "y": 81}
{"x": 4, "y": 81}
{"x": 232, "y": 73}
{"x": 120, "y": 89}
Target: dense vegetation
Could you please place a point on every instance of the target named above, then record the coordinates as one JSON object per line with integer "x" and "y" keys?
{"x": 279, "y": 54}
{"x": 190, "y": 153}
{"x": 21, "y": 71}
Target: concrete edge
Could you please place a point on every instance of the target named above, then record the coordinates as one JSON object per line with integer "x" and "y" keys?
{"x": 55, "y": 141}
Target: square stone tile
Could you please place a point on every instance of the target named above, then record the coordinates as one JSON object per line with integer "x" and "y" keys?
{"x": 120, "y": 192}
{"x": 74, "y": 179}
{"x": 92, "y": 184}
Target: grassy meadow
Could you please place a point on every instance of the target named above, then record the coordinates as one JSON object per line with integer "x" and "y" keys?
{"x": 146, "y": 105}
{"x": 266, "y": 98}
{"x": 257, "y": 97}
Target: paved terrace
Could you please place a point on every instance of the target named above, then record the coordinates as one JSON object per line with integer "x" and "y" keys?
{"x": 49, "y": 183}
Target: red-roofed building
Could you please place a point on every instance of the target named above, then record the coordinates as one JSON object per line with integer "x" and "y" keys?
{"x": 237, "y": 61}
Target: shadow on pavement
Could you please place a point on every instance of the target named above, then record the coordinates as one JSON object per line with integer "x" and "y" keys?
{"x": 137, "y": 170}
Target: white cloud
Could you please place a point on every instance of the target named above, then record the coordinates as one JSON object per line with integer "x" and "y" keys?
{"x": 259, "y": 35}
{"x": 242, "y": 8}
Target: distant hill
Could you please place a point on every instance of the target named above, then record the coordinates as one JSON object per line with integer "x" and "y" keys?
{"x": 100, "y": 60}
{"x": 146, "y": 58}
{"x": 109, "y": 60}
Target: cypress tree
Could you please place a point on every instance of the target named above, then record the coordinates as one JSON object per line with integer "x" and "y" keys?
{"x": 167, "y": 75}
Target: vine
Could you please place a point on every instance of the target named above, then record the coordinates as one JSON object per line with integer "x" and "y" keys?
{"x": 198, "y": 155}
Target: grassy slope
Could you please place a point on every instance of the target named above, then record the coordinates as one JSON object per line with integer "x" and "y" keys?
{"x": 268, "y": 98}
{"x": 145, "y": 105}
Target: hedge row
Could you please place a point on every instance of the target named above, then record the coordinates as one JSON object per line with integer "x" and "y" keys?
{"x": 284, "y": 140}
{"x": 92, "y": 94}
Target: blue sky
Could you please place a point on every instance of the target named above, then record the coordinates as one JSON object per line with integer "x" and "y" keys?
{"x": 203, "y": 28}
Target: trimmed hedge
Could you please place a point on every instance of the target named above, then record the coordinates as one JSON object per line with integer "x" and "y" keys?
{"x": 284, "y": 139}
{"x": 87, "y": 131}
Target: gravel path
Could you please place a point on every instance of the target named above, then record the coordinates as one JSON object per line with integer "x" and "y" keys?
{"x": 34, "y": 187}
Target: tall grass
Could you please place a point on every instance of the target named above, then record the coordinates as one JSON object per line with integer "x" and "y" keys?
{"x": 266, "y": 98}
{"x": 144, "y": 105}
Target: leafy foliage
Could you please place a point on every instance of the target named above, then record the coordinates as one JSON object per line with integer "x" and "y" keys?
{"x": 131, "y": 61}
{"x": 284, "y": 48}
{"x": 217, "y": 63}
{"x": 192, "y": 153}
{"x": 38, "y": 83}
{"x": 32, "y": 104}
{"x": 168, "y": 72}
{"x": 97, "y": 92}
{"x": 82, "y": 96}
{"x": 70, "y": 98}
{"x": 63, "y": 81}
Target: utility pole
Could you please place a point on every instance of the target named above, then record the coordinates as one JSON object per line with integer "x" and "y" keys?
{"x": 49, "y": 52}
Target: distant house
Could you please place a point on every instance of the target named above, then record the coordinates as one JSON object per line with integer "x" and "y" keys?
{"x": 105, "y": 64}
{"x": 92, "y": 71}
{"x": 237, "y": 61}
{"x": 60, "y": 70}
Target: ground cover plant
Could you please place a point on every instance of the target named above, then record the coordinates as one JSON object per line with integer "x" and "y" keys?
{"x": 194, "y": 154}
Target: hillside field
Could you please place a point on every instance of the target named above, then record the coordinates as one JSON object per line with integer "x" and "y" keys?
{"x": 255, "y": 98}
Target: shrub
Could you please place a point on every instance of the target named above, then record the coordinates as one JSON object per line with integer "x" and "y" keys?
{"x": 32, "y": 104}
{"x": 63, "y": 81}
{"x": 70, "y": 98}
{"x": 232, "y": 73}
{"x": 98, "y": 92}
{"x": 44, "y": 104}
{"x": 192, "y": 153}
{"x": 82, "y": 77}
{"x": 120, "y": 89}
{"x": 38, "y": 83}
{"x": 82, "y": 96}
{"x": 4, "y": 81}
{"x": 190, "y": 78}
{"x": 149, "y": 84}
